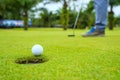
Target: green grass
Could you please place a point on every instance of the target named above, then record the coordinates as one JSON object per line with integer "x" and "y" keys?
{"x": 70, "y": 58}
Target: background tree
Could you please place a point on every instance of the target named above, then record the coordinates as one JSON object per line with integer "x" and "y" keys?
{"x": 90, "y": 14}
{"x": 111, "y": 13}
{"x": 14, "y": 9}
{"x": 117, "y": 21}
{"x": 46, "y": 17}
{"x": 86, "y": 17}
{"x": 65, "y": 15}
{"x": 26, "y": 5}
{"x": 65, "y": 12}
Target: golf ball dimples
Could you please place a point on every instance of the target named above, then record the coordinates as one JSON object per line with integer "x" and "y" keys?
{"x": 37, "y": 49}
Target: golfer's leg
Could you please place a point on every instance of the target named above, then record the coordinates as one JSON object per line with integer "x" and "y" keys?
{"x": 101, "y": 13}
{"x": 101, "y": 19}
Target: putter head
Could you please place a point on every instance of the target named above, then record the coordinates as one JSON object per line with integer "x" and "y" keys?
{"x": 71, "y": 35}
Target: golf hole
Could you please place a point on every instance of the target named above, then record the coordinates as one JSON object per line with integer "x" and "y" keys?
{"x": 31, "y": 60}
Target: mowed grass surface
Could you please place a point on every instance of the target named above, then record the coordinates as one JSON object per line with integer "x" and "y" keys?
{"x": 70, "y": 58}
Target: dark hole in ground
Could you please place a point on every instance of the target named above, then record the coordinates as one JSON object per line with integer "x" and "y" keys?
{"x": 31, "y": 60}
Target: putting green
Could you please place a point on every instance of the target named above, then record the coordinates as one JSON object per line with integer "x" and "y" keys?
{"x": 70, "y": 58}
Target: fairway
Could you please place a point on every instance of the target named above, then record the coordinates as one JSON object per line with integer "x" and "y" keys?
{"x": 70, "y": 58}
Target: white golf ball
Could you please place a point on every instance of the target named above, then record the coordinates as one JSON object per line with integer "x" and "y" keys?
{"x": 37, "y": 49}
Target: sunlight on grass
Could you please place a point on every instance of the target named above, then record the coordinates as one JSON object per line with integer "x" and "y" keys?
{"x": 70, "y": 58}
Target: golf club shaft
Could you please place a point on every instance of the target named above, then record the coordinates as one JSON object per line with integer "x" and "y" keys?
{"x": 76, "y": 22}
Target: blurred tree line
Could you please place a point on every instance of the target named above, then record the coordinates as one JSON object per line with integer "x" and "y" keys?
{"x": 64, "y": 17}
{"x": 17, "y": 9}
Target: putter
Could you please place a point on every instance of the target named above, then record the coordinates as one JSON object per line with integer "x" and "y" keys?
{"x": 73, "y": 35}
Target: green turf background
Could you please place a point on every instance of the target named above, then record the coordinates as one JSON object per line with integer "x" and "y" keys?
{"x": 70, "y": 58}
